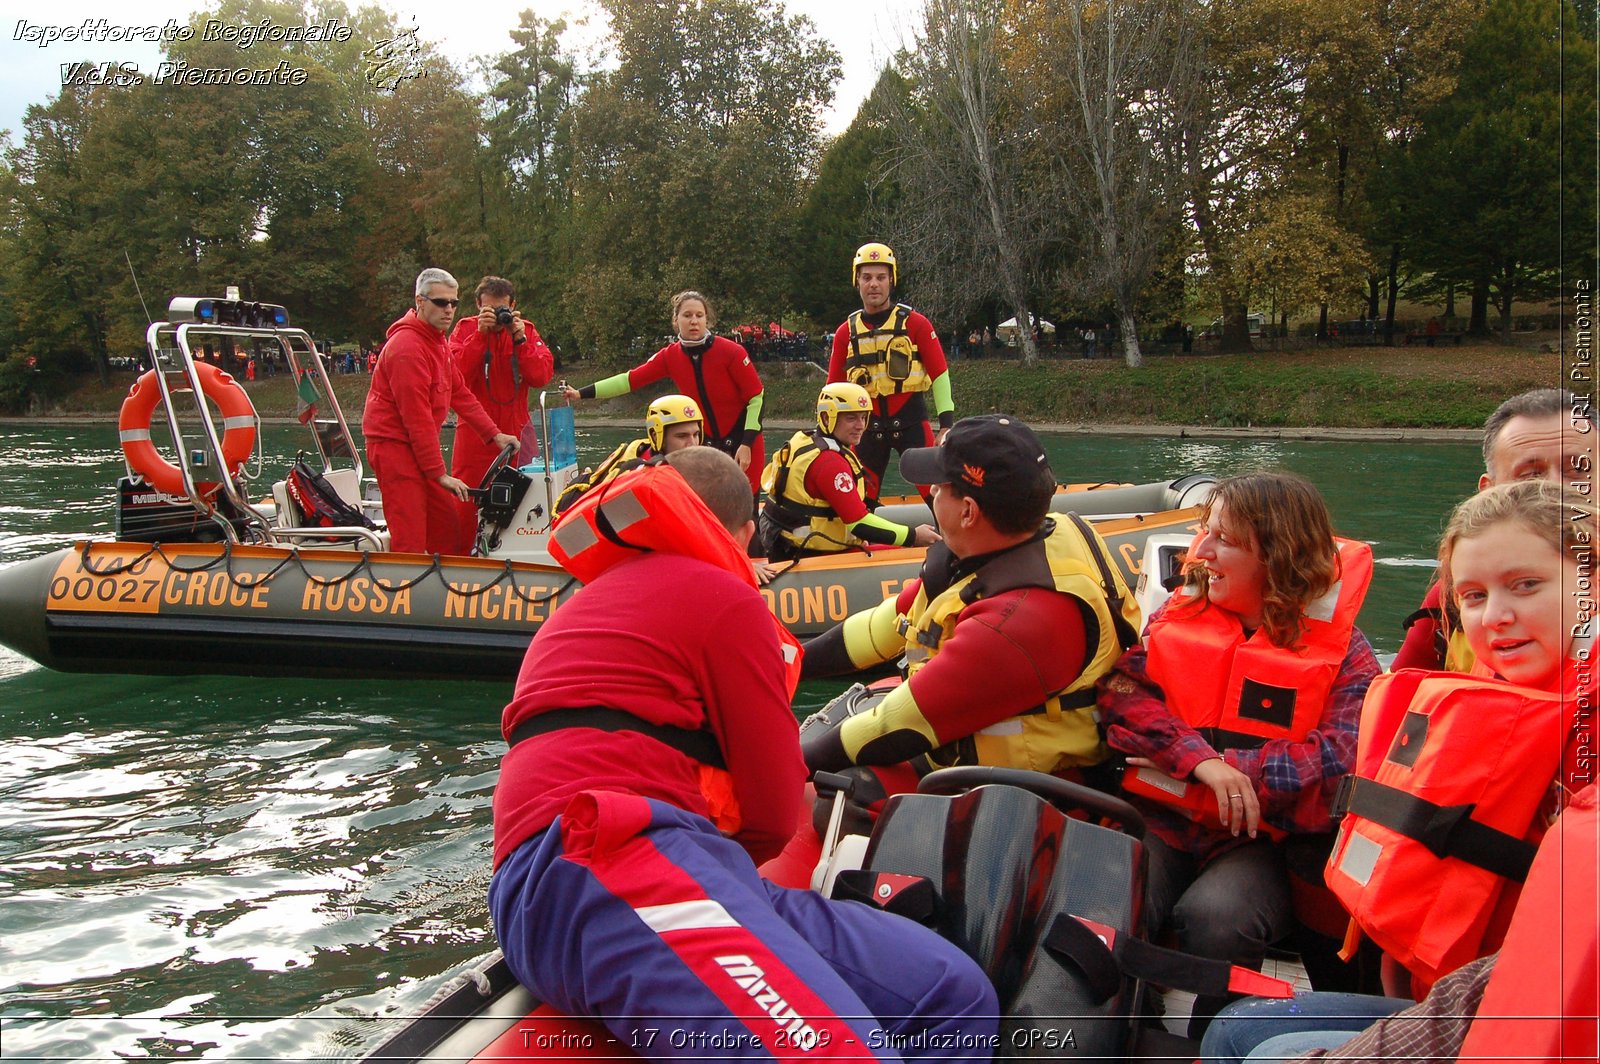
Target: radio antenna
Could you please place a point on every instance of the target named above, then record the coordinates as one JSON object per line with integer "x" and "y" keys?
{"x": 148, "y": 319}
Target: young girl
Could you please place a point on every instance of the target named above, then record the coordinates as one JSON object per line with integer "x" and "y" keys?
{"x": 1514, "y": 560}
{"x": 1239, "y": 713}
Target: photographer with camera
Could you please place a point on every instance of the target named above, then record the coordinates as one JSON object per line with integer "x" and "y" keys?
{"x": 501, "y": 357}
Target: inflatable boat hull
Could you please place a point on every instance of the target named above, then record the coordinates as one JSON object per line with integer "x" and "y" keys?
{"x": 276, "y": 611}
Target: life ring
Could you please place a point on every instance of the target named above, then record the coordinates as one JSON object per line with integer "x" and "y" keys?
{"x": 133, "y": 426}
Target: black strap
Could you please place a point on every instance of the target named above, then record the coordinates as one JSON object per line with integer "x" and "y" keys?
{"x": 1426, "y": 613}
{"x": 700, "y": 745}
{"x": 1224, "y": 739}
{"x": 1446, "y": 830}
{"x": 1126, "y": 636}
{"x": 1104, "y": 968}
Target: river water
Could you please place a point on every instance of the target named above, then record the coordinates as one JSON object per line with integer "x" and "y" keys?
{"x": 204, "y": 867}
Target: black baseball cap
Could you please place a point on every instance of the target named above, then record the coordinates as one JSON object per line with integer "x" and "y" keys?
{"x": 988, "y": 456}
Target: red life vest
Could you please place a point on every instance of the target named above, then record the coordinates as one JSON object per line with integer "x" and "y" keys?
{"x": 1443, "y": 812}
{"x": 653, "y": 508}
{"x": 1240, "y": 691}
{"x": 1544, "y": 995}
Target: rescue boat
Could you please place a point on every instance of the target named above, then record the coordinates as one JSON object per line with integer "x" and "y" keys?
{"x": 295, "y": 577}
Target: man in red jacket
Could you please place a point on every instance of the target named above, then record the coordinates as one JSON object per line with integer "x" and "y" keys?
{"x": 414, "y": 387}
{"x": 653, "y": 761}
{"x": 501, "y": 357}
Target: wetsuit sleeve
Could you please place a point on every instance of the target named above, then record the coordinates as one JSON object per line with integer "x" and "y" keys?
{"x": 1133, "y": 709}
{"x": 411, "y": 385}
{"x": 860, "y": 641}
{"x": 748, "y": 709}
{"x": 534, "y": 356}
{"x": 1420, "y": 649}
{"x": 829, "y": 478}
{"x": 1296, "y": 781}
{"x": 610, "y": 388}
{"x": 931, "y": 352}
{"x": 874, "y": 529}
{"x": 1005, "y": 655}
{"x": 752, "y": 418}
{"x": 841, "y": 350}
{"x": 654, "y": 368}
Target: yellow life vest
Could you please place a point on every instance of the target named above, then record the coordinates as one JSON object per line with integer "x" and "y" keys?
{"x": 805, "y": 520}
{"x": 627, "y": 456}
{"x": 885, "y": 361}
{"x": 1064, "y": 731}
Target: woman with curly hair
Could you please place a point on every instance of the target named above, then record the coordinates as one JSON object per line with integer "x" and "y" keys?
{"x": 1238, "y": 713}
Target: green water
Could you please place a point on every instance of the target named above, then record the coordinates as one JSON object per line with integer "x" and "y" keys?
{"x": 205, "y": 868}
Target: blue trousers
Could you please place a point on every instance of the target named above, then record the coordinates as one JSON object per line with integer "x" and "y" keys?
{"x": 1274, "y": 1028}
{"x": 645, "y": 917}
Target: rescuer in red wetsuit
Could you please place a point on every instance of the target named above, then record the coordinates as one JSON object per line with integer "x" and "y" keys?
{"x": 414, "y": 386}
{"x": 1013, "y": 618}
{"x": 652, "y": 762}
{"x": 500, "y": 363}
{"x": 716, "y": 372}
{"x": 893, "y": 352}
{"x": 815, "y": 495}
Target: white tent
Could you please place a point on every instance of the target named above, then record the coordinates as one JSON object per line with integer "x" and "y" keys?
{"x": 1010, "y": 325}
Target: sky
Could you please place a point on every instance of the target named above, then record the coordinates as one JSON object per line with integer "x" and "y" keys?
{"x": 865, "y": 32}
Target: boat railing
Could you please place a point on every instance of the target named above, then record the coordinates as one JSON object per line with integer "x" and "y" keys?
{"x": 212, "y": 452}
{"x": 202, "y": 317}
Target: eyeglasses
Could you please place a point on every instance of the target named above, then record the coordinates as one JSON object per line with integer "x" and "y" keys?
{"x": 442, "y": 303}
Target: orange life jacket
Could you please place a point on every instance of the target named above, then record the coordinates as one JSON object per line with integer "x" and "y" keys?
{"x": 1544, "y": 995}
{"x": 1443, "y": 812}
{"x": 652, "y": 508}
{"x": 1243, "y": 691}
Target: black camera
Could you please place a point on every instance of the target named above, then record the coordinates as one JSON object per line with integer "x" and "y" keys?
{"x": 503, "y": 317}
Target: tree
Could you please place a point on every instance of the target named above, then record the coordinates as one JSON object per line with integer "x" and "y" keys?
{"x": 529, "y": 156}
{"x": 848, "y": 203}
{"x": 1487, "y": 192}
{"x": 1110, "y": 87}
{"x": 689, "y": 159}
{"x": 970, "y": 222}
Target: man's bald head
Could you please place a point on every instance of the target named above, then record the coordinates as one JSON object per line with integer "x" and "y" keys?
{"x": 719, "y": 482}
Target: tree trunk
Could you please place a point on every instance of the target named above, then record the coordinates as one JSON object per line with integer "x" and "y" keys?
{"x": 1394, "y": 294}
{"x": 1130, "y": 338}
{"x": 1322, "y": 321}
{"x": 1450, "y": 300}
{"x": 1235, "y": 324}
{"x": 1479, "y": 325}
{"x": 1372, "y": 298}
{"x": 1025, "y": 344}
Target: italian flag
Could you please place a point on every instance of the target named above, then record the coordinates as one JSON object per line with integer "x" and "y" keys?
{"x": 308, "y": 396}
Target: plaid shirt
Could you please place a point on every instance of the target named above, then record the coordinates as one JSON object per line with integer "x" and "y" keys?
{"x": 1429, "y": 1033}
{"x": 1295, "y": 781}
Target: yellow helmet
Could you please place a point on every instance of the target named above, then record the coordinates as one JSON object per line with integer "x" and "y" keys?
{"x": 875, "y": 255}
{"x": 841, "y": 398}
{"x": 668, "y": 410}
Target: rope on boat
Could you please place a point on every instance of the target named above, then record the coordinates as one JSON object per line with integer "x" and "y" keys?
{"x": 225, "y": 560}
{"x": 476, "y": 976}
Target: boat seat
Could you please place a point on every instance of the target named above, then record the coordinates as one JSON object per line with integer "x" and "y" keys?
{"x": 290, "y": 521}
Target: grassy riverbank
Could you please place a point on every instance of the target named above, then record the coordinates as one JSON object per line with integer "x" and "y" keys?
{"x": 1354, "y": 387}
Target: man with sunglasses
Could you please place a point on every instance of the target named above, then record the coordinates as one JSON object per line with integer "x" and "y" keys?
{"x": 414, "y": 386}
